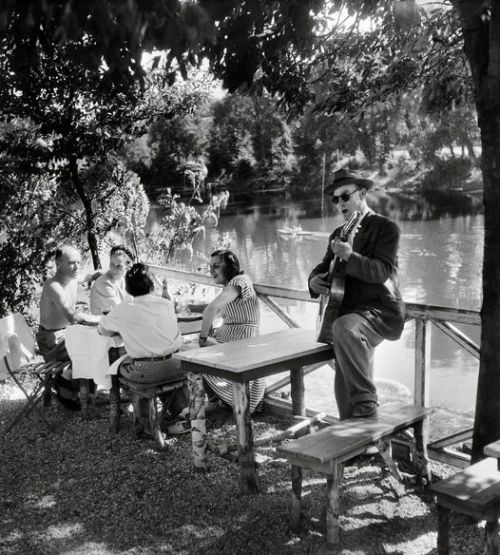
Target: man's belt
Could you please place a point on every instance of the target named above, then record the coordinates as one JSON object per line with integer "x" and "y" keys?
{"x": 45, "y": 329}
{"x": 152, "y": 359}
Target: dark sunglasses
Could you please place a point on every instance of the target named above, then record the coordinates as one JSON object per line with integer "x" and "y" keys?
{"x": 344, "y": 197}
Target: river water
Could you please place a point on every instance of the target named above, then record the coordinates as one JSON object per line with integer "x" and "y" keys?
{"x": 440, "y": 263}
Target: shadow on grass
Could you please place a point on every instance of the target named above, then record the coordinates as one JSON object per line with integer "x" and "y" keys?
{"x": 83, "y": 490}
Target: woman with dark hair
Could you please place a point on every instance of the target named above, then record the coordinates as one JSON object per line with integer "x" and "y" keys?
{"x": 150, "y": 333}
{"x": 109, "y": 288}
{"x": 239, "y": 307}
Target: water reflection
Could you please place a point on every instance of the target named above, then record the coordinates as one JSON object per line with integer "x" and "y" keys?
{"x": 440, "y": 261}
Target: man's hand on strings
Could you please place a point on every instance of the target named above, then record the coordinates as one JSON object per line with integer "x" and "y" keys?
{"x": 341, "y": 249}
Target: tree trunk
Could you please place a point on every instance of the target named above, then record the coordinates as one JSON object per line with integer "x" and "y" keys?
{"x": 89, "y": 214}
{"x": 482, "y": 47}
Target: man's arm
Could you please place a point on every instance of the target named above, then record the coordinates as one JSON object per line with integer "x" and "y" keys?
{"x": 59, "y": 298}
{"x": 379, "y": 267}
{"x": 108, "y": 324}
{"x": 90, "y": 275}
{"x": 103, "y": 296}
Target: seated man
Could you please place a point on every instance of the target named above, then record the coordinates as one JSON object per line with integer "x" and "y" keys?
{"x": 149, "y": 330}
{"x": 57, "y": 311}
{"x": 109, "y": 288}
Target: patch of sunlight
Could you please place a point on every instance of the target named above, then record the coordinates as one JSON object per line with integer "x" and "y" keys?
{"x": 14, "y": 536}
{"x": 62, "y": 531}
{"x": 427, "y": 542}
{"x": 89, "y": 548}
{"x": 279, "y": 486}
{"x": 195, "y": 531}
{"x": 46, "y": 502}
{"x": 12, "y": 392}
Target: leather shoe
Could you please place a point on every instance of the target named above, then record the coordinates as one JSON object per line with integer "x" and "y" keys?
{"x": 364, "y": 409}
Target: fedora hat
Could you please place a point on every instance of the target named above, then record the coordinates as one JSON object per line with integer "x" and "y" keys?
{"x": 346, "y": 177}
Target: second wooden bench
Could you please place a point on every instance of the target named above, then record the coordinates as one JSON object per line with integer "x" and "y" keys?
{"x": 326, "y": 451}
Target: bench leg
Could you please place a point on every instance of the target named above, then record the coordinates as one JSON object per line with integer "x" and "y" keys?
{"x": 85, "y": 397}
{"x": 333, "y": 505}
{"x": 47, "y": 389}
{"x": 114, "y": 404}
{"x": 154, "y": 423}
{"x": 421, "y": 457}
{"x": 241, "y": 411}
{"x": 139, "y": 415}
{"x": 492, "y": 543}
{"x": 384, "y": 448}
{"x": 296, "y": 499}
{"x": 197, "y": 398}
{"x": 443, "y": 517}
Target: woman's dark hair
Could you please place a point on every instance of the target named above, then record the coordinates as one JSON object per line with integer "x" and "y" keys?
{"x": 118, "y": 249}
{"x": 138, "y": 280}
{"x": 232, "y": 264}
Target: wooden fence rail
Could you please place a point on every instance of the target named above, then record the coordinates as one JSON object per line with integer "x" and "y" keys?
{"x": 426, "y": 317}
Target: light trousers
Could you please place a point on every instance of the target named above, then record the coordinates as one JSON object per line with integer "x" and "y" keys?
{"x": 354, "y": 342}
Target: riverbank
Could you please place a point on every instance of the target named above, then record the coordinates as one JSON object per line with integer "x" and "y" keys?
{"x": 80, "y": 490}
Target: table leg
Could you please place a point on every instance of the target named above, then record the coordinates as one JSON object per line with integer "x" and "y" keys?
{"x": 241, "y": 410}
{"x": 421, "y": 429}
{"x": 197, "y": 415}
{"x": 297, "y": 391}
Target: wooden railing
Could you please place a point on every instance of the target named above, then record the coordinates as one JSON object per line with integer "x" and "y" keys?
{"x": 425, "y": 316}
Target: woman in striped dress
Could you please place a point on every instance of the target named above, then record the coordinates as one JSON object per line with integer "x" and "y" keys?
{"x": 239, "y": 307}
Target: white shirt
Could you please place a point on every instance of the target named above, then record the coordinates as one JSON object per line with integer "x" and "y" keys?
{"x": 147, "y": 325}
{"x": 106, "y": 294}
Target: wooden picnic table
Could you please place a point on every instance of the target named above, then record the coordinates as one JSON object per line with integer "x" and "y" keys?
{"x": 242, "y": 361}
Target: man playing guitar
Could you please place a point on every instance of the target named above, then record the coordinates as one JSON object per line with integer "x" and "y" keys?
{"x": 371, "y": 308}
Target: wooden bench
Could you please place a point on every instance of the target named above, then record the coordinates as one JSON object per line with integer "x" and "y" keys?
{"x": 474, "y": 492}
{"x": 136, "y": 391}
{"x": 326, "y": 451}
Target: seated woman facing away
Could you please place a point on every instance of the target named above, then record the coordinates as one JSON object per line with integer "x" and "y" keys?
{"x": 150, "y": 333}
{"x": 239, "y": 307}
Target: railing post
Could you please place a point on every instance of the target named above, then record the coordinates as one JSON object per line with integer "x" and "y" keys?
{"x": 422, "y": 362}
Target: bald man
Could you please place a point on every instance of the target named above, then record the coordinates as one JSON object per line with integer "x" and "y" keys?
{"x": 58, "y": 301}
{"x": 57, "y": 311}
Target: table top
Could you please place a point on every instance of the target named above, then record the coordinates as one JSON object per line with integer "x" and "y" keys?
{"x": 258, "y": 356}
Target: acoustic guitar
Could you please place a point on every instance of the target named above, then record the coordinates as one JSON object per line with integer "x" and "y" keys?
{"x": 329, "y": 303}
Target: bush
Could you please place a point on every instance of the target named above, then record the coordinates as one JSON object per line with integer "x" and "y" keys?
{"x": 447, "y": 174}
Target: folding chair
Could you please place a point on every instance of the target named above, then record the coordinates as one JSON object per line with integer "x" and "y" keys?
{"x": 17, "y": 358}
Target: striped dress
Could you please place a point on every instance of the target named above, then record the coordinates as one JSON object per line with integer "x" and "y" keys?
{"x": 241, "y": 319}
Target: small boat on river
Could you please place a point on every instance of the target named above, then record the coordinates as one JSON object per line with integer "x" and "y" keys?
{"x": 296, "y": 231}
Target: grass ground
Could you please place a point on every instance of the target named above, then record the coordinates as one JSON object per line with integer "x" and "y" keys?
{"x": 80, "y": 490}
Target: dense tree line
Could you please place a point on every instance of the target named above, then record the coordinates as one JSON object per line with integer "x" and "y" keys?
{"x": 247, "y": 144}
